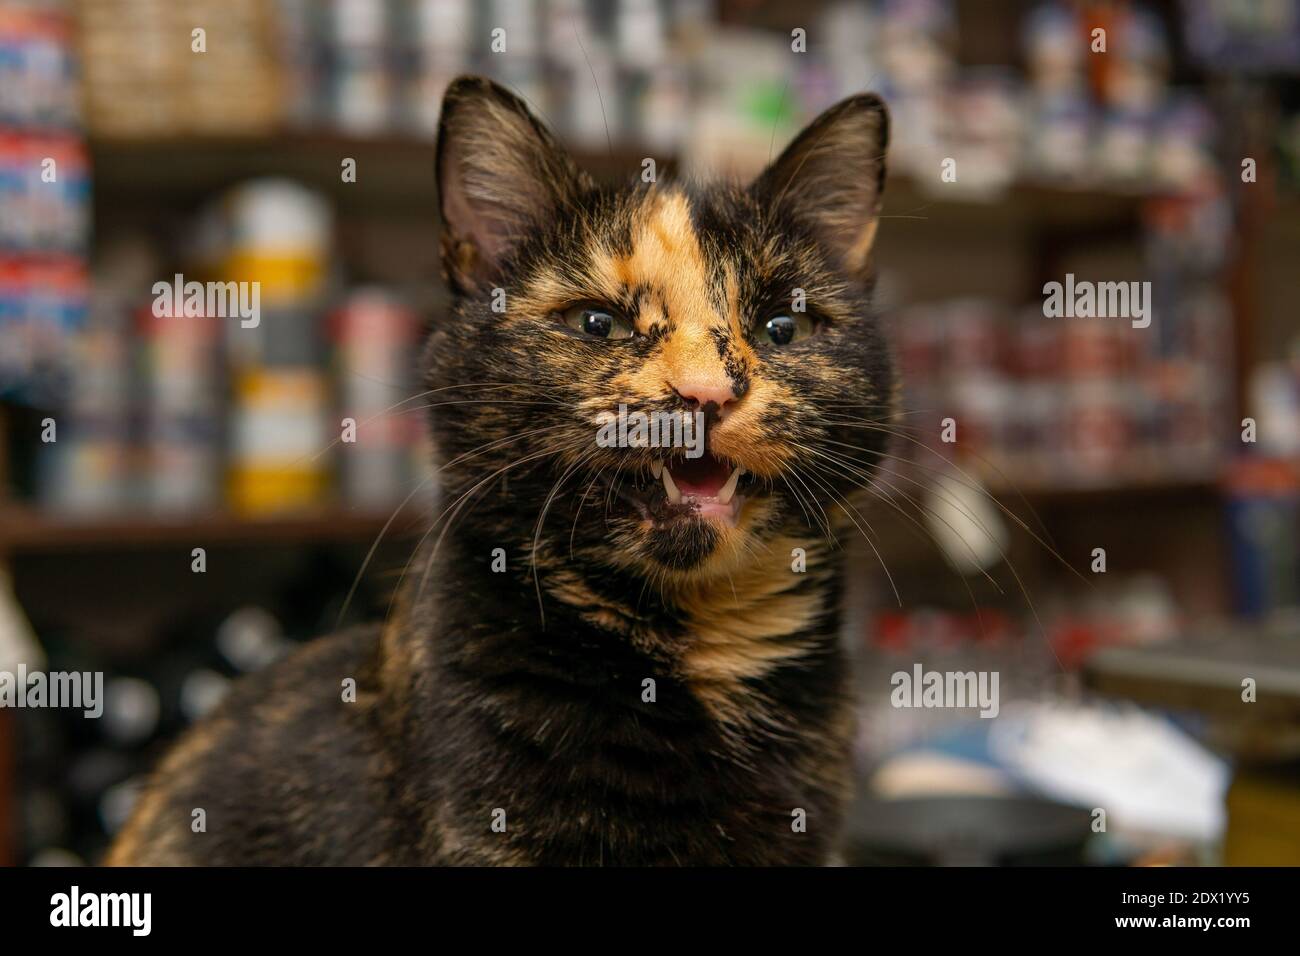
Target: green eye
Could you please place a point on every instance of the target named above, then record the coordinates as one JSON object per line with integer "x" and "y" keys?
{"x": 598, "y": 321}
{"x": 784, "y": 329}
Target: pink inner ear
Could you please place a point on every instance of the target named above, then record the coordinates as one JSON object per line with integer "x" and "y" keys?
{"x": 485, "y": 232}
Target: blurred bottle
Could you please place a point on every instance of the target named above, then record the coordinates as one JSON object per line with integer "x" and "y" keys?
{"x": 277, "y": 249}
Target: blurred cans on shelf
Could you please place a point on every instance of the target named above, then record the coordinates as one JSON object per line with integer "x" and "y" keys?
{"x": 1066, "y": 402}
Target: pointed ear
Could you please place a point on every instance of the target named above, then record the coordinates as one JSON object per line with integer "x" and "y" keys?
{"x": 832, "y": 177}
{"x": 500, "y": 172}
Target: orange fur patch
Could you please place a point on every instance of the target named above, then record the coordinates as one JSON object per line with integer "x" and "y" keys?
{"x": 739, "y": 629}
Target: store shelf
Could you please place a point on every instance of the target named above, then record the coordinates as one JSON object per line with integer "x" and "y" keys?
{"x": 26, "y": 531}
{"x": 1172, "y": 491}
{"x": 391, "y": 171}
{"x": 400, "y": 169}
{"x": 1204, "y": 672}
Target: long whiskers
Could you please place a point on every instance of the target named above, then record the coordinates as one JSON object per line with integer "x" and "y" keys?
{"x": 541, "y": 520}
{"x": 1010, "y": 565}
{"x": 866, "y": 533}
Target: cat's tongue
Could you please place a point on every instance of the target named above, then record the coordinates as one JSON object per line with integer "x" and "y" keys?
{"x": 701, "y": 477}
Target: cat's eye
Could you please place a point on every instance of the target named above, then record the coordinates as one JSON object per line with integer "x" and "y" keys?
{"x": 784, "y": 328}
{"x": 598, "y": 321}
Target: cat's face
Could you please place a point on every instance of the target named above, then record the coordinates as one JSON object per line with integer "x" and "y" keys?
{"x": 746, "y": 305}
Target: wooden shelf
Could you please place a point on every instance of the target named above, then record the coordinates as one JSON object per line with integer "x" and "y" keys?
{"x": 1135, "y": 492}
{"x": 1024, "y": 204}
{"x": 1127, "y": 486}
{"x": 394, "y": 173}
{"x": 396, "y": 170}
{"x": 25, "y": 531}
{"x": 1204, "y": 671}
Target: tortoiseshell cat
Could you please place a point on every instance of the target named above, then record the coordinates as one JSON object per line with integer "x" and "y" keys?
{"x": 654, "y": 677}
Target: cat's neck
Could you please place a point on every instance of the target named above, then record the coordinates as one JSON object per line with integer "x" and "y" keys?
{"x": 730, "y": 700}
{"x": 776, "y": 588}
{"x": 719, "y": 635}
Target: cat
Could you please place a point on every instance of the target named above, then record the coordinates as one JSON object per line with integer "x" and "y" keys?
{"x": 599, "y": 655}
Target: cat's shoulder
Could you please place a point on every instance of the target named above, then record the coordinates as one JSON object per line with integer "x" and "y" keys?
{"x": 286, "y": 763}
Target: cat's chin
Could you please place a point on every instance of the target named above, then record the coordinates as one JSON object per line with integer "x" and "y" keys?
{"x": 691, "y": 536}
{"x": 687, "y": 510}
{"x": 684, "y": 543}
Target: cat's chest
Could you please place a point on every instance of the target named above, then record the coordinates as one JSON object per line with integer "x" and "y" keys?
{"x": 751, "y": 825}
{"x": 640, "y": 786}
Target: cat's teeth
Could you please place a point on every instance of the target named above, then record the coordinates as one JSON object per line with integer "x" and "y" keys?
{"x": 674, "y": 495}
{"x": 729, "y": 489}
{"x": 656, "y": 468}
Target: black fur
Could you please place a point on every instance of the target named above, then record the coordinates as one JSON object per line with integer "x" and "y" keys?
{"x": 505, "y": 717}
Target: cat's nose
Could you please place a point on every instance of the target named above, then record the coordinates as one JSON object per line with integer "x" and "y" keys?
{"x": 700, "y": 395}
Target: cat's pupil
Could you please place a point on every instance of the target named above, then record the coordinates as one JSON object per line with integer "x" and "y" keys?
{"x": 596, "y": 323}
{"x": 781, "y": 329}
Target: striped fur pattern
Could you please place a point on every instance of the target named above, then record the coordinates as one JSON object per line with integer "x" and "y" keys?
{"x": 621, "y": 682}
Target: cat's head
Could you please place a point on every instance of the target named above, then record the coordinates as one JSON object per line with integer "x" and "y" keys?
{"x": 746, "y": 304}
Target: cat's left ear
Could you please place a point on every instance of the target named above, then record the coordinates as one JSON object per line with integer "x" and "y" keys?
{"x": 500, "y": 174}
{"x": 832, "y": 177}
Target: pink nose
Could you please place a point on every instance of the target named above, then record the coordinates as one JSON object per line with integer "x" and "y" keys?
{"x": 702, "y": 394}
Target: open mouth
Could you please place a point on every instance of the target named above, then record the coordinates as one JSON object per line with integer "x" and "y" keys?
{"x": 690, "y": 488}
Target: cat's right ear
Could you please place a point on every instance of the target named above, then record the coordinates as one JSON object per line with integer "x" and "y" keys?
{"x": 500, "y": 173}
{"x": 832, "y": 177}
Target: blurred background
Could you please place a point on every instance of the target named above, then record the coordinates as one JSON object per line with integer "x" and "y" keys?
{"x": 1107, "y": 533}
